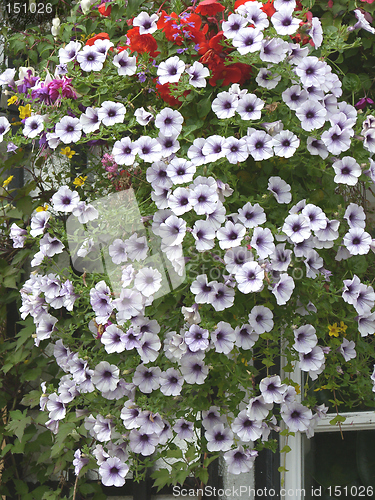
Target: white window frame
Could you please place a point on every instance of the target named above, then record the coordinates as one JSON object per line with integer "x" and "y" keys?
{"x": 294, "y": 460}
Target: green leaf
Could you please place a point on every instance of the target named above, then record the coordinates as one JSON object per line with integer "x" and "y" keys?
{"x": 286, "y": 449}
{"x": 351, "y": 82}
{"x": 25, "y": 204}
{"x": 204, "y": 107}
{"x": 51, "y": 495}
{"x": 337, "y": 419}
{"x": 162, "y": 478}
{"x": 268, "y": 362}
{"x": 282, "y": 469}
{"x": 31, "y": 399}
{"x": 202, "y": 474}
{"x": 286, "y": 432}
{"x": 18, "y": 423}
{"x": 174, "y": 453}
{"x": 208, "y": 460}
{"x": 190, "y": 454}
{"x": 365, "y": 80}
{"x": 21, "y": 487}
{"x": 133, "y": 6}
{"x": 61, "y": 442}
{"x": 87, "y": 489}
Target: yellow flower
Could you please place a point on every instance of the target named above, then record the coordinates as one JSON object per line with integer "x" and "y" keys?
{"x": 334, "y": 330}
{"x": 12, "y": 100}
{"x": 67, "y": 152}
{"x": 42, "y": 209}
{"x": 343, "y": 326}
{"x": 8, "y": 181}
{"x": 25, "y": 111}
{"x": 322, "y": 388}
{"x": 79, "y": 181}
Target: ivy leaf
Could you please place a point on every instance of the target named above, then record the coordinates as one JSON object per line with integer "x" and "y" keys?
{"x": 162, "y": 478}
{"x": 190, "y": 454}
{"x": 202, "y": 474}
{"x": 18, "y": 423}
{"x": 174, "y": 453}
{"x": 31, "y": 399}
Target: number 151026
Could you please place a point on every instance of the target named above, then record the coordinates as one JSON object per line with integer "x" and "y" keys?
{"x": 26, "y": 7}
{"x": 353, "y": 491}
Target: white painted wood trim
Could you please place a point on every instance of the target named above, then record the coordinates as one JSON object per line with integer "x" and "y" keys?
{"x": 355, "y": 421}
{"x": 294, "y": 460}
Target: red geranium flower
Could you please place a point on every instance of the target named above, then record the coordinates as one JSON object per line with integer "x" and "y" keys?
{"x": 99, "y": 36}
{"x": 212, "y": 51}
{"x": 233, "y": 73}
{"x": 142, "y": 43}
{"x": 105, "y": 11}
{"x": 179, "y": 28}
{"x": 209, "y": 8}
{"x": 165, "y": 94}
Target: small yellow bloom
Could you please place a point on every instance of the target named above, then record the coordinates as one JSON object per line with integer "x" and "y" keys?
{"x": 25, "y": 111}
{"x": 343, "y": 326}
{"x": 79, "y": 181}
{"x": 67, "y": 152}
{"x": 42, "y": 209}
{"x": 298, "y": 389}
{"x": 8, "y": 181}
{"x": 12, "y": 100}
{"x": 334, "y": 330}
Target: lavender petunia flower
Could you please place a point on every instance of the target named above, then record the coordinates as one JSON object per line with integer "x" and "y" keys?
{"x": 184, "y": 429}
{"x": 272, "y": 389}
{"x": 112, "y": 472}
{"x": 223, "y": 337}
{"x": 171, "y": 382}
{"x": 219, "y": 438}
{"x": 196, "y": 338}
{"x": 106, "y": 376}
{"x": 246, "y": 428}
{"x": 147, "y": 379}
{"x": 143, "y": 443}
{"x": 296, "y": 416}
{"x": 239, "y": 460}
{"x": 305, "y": 339}
{"x": 347, "y": 349}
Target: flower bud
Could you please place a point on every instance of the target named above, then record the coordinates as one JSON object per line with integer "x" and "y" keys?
{"x": 55, "y": 30}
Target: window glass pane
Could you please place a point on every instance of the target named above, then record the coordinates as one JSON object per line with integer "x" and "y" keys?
{"x": 347, "y": 464}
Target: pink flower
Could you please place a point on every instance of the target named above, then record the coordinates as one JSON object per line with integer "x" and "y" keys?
{"x": 362, "y": 103}
{"x": 66, "y": 89}
{"x": 109, "y": 163}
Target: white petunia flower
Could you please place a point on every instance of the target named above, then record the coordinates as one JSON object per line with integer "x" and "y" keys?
{"x": 170, "y": 71}
{"x": 111, "y": 112}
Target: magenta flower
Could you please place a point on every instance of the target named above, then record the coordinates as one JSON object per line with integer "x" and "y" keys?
{"x": 362, "y": 103}
{"x": 66, "y": 89}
